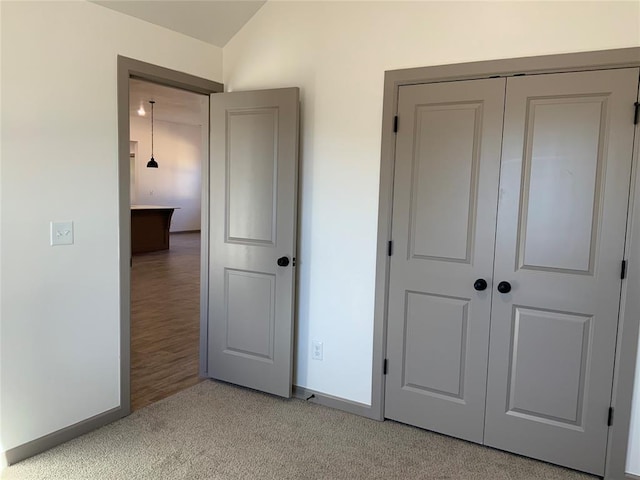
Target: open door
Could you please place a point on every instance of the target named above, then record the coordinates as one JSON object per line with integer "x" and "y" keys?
{"x": 253, "y": 185}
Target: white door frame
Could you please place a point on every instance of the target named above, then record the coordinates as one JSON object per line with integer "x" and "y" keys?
{"x": 129, "y": 68}
{"x": 629, "y": 321}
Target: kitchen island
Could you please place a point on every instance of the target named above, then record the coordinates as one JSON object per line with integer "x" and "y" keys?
{"x": 150, "y": 226}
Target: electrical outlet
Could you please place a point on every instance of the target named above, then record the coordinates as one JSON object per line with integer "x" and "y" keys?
{"x": 316, "y": 350}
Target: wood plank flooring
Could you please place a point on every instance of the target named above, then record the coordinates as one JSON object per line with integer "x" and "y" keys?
{"x": 165, "y": 320}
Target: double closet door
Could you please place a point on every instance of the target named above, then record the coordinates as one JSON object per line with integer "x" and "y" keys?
{"x": 509, "y": 218}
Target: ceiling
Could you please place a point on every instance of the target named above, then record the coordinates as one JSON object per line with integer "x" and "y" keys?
{"x": 212, "y": 21}
{"x": 171, "y": 105}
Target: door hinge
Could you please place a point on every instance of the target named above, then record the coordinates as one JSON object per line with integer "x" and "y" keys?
{"x": 623, "y": 270}
{"x": 390, "y": 248}
{"x": 384, "y": 366}
{"x": 610, "y": 417}
{"x": 395, "y": 124}
{"x": 636, "y": 116}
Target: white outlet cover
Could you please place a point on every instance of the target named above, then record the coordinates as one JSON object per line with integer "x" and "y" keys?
{"x": 61, "y": 233}
{"x": 316, "y": 350}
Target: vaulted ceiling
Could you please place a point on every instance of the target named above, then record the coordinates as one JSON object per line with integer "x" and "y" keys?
{"x": 212, "y": 21}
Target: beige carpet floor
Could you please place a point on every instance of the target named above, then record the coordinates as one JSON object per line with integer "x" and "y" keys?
{"x": 218, "y": 431}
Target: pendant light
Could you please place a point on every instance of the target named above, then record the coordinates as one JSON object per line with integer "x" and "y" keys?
{"x": 152, "y": 163}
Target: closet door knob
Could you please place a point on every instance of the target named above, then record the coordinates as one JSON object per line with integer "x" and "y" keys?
{"x": 504, "y": 287}
{"x": 480, "y": 284}
{"x": 283, "y": 261}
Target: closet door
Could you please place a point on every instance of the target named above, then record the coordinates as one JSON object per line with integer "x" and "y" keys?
{"x": 564, "y": 189}
{"x": 444, "y": 213}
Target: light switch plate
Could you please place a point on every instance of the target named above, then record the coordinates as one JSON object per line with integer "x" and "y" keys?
{"x": 61, "y": 233}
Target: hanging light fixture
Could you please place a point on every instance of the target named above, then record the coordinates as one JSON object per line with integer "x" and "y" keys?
{"x": 152, "y": 163}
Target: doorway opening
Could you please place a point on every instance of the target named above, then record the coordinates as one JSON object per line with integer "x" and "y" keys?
{"x": 129, "y": 69}
{"x": 250, "y": 339}
{"x": 166, "y": 238}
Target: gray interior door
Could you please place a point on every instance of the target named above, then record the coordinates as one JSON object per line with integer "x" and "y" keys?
{"x": 444, "y": 214}
{"x": 253, "y": 185}
{"x": 564, "y": 188}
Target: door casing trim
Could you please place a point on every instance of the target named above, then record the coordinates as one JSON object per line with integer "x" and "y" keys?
{"x": 130, "y": 68}
{"x": 630, "y": 307}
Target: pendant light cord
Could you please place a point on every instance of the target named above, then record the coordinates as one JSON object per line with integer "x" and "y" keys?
{"x": 151, "y": 102}
{"x": 152, "y": 162}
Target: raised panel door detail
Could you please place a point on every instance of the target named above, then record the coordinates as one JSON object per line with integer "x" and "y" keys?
{"x": 549, "y": 358}
{"x": 563, "y": 164}
{"x": 445, "y": 167}
{"x": 251, "y": 171}
{"x": 250, "y": 307}
{"x": 560, "y": 236}
{"x": 252, "y": 183}
{"x": 446, "y": 173}
{"x": 435, "y": 344}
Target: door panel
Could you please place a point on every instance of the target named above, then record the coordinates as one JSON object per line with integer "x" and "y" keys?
{"x": 250, "y": 325}
{"x": 435, "y": 335}
{"x": 564, "y": 188}
{"x": 254, "y": 160}
{"x": 251, "y": 176}
{"x": 562, "y": 166}
{"x": 445, "y": 197}
{"x": 437, "y": 232}
{"x": 549, "y": 386}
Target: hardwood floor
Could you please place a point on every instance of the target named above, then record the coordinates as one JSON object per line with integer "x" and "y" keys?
{"x": 165, "y": 320}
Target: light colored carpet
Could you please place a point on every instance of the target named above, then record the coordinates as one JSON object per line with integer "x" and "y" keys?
{"x": 218, "y": 431}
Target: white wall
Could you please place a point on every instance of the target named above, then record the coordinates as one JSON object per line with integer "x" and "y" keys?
{"x": 337, "y": 53}
{"x": 60, "y": 306}
{"x": 177, "y": 182}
